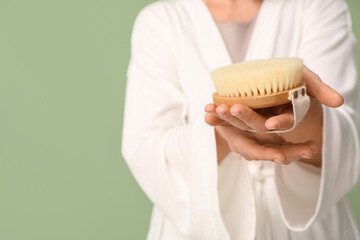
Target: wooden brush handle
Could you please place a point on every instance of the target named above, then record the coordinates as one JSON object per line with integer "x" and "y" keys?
{"x": 255, "y": 102}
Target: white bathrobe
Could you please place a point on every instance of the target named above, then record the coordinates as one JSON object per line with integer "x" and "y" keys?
{"x": 171, "y": 151}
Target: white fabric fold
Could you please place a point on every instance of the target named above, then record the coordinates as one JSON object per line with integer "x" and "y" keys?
{"x": 305, "y": 191}
{"x": 164, "y": 151}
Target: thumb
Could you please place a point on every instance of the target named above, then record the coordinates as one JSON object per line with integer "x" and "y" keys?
{"x": 321, "y": 91}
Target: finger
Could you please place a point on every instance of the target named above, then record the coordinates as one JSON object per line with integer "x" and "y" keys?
{"x": 273, "y": 139}
{"x": 249, "y": 117}
{"x": 250, "y": 149}
{"x": 294, "y": 152}
{"x": 280, "y": 122}
{"x": 210, "y": 108}
{"x": 223, "y": 109}
{"x": 224, "y": 112}
{"x": 321, "y": 91}
{"x": 213, "y": 120}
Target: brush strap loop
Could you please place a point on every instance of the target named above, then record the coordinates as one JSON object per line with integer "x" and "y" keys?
{"x": 301, "y": 103}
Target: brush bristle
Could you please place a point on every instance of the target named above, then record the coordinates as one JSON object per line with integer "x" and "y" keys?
{"x": 258, "y": 77}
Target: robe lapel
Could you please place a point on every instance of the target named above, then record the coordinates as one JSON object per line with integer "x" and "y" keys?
{"x": 265, "y": 41}
{"x": 261, "y": 42}
{"x": 212, "y": 47}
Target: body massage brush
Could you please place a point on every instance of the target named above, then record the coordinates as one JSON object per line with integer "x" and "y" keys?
{"x": 261, "y": 84}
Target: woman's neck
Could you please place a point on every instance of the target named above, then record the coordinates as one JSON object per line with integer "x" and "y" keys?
{"x": 233, "y": 10}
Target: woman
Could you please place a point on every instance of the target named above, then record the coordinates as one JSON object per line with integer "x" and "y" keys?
{"x": 197, "y": 171}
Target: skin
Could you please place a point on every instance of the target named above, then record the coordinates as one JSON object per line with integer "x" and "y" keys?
{"x": 233, "y": 10}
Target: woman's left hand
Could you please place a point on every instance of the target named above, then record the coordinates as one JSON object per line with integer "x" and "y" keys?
{"x": 320, "y": 92}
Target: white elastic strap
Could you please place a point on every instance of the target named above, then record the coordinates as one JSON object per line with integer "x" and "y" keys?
{"x": 301, "y": 103}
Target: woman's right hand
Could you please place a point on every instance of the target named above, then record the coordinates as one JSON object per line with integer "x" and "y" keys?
{"x": 242, "y": 130}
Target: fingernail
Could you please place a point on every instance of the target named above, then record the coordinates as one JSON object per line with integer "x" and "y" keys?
{"x": 306, "y": 157}
{"x": 272, "y": 127}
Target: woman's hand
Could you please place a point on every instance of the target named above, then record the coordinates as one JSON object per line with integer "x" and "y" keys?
{"x": 232, "y": 125}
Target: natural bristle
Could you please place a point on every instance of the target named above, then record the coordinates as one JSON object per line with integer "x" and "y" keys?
{"x": 258, "y": 77}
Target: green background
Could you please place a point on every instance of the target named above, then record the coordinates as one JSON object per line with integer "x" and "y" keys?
{"x": 62, "y": 77}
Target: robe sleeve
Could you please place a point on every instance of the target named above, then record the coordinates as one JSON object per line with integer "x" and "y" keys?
{"x": 327, "y": 46}
{"x": 173, "y": 160}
